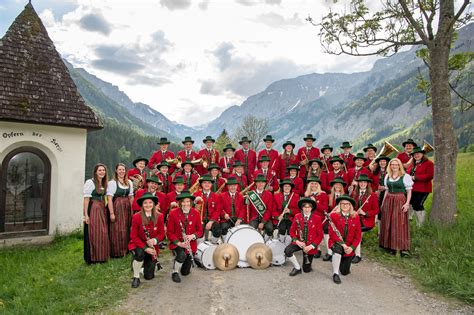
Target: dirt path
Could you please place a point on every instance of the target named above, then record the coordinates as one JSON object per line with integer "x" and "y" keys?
{"x": 370, "y": 288}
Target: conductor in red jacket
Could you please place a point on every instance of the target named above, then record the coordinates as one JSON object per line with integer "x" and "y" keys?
{"x": 147, "y": 231}
{"x": 344, "y": 236}
{"x": 184, "y": 227}
{"x": 306, "y": 232}
{"x": 422, "y": 173}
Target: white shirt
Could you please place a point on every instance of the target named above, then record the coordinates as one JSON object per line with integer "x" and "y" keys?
{"x": 112, "y": 187}
{"x": 407, "y": 181}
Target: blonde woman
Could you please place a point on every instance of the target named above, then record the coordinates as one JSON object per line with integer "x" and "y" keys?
{"x": 394, "y": 229}
{"x": 120, "y": 199}
{"x": 348, "y": 236}
{"x": 96, "y": 236}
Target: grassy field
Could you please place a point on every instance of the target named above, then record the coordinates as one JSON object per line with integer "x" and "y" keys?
{"x": 54, "y": 279}
{"x": 442, "y": 258}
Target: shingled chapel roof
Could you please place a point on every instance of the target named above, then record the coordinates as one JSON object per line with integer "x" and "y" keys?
{"x": 35, "y": 85}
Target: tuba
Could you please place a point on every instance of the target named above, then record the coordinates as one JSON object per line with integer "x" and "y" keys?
{"x": 428, "y": 148}
{"x": 387, "y": 149}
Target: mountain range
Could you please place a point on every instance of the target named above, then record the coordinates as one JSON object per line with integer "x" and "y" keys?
{"x": 363, "y": 107}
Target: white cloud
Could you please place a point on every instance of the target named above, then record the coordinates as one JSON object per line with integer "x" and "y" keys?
{"x": 191, "y": 60}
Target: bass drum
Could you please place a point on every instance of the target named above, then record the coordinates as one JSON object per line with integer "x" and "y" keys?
{"x": 278, "y": 251}
{"x": 242, "y": 237}
{"x": 204, "y": 255}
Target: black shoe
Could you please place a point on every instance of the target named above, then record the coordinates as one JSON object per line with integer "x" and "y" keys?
{"x": 175, "y": 277}
{"x": 356, "y": 259}
{"x": 404, "y": 254}
{"x": 318, "y": 254}
{"x": 294, "y": 272}
{"x": 135, "y": 282}
{"x": 327, "y": 257}
{"x": 336, "y": 279}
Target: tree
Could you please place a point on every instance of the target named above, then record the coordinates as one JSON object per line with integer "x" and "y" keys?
{"x": 254, "y": 128}
{"x": 398, "y": 23}
{"x": 223, "y": 140}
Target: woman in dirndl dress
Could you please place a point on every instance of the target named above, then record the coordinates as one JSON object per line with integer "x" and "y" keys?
{"x": 96, "y": 236}
{"x": 120, "y": 199}
{"x": 394, "y": 228}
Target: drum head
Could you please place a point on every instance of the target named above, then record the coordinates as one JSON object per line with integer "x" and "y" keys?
{"x": 242, "y": 238}
{"x": 207, "y": 260}
{"x": 278, "y": 252}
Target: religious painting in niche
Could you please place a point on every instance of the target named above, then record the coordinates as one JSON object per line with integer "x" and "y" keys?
{"x": 25, "y": 185}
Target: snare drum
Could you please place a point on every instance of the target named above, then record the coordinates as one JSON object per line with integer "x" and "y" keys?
{"x": 205, "y": 251}
{"x": 242, "y": 237}
{"x": 278, "y": 252}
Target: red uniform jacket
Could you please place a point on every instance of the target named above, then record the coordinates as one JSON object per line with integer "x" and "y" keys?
{"x": 135, "y": 171}
{"x": 138, "y": 237}
{"x": 272, "y": 154}
{"x": 371, "y": 208}
{"x": 251, "y": 161}
{"x": 367, "y": 162}
{"x": 424, "y": 173}
{"x": 170, "y": 198}
{"x": 167, "y": 182}
{"x": 212, "y": 157}
{"x": 284, "y": 163}
{"x": 242, "y": 180}
{"x": 299, "y": 185}
{"x": 404, "y": 157}
{"x": 322, "y": 176}
{"x": 322, "y": 203}
{"x": 293, "y": 206}
{"x": 188, "y": 156}
{"x": 314, "y": 231}
{"x": 211, "y": 207}
{"x": 329, "y": 165}
{"x": 225, "y": 162}
{"x": 267, "y": 198}
{"x": 191, "y": 225}
{"x": 226, "y": 206}
{"x": 272, "y": 178}
{"x": 162, "y": 200}
{"x": 312, "y": 154}
{"x": 352, "y": 173}
{"x": 188, "y": 180}
{"x": 353, "y": 236}
{"x": 331, "y": 176}
{"x": 158, "y": 156}
{"x": 348, "y": 160}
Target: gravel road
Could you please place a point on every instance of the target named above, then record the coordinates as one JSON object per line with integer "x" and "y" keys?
{"x": 369, "y": 289}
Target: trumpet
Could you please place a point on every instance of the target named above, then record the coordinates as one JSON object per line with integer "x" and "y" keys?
{"x": 246, "y": 189}
{"x": 386, "y": 151}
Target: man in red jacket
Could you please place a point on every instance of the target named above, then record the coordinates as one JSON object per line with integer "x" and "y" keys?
{"x": 422, "y": 173}
{"x": 270, "y": 152}
{"x": 187, "y": 153}
{"x": 337, "y": 172}
{"x": 406, "y": 156}
{"x": 184, "y": 227}
{"x": 160, "y": 156}
{"x": 271, "y": 175}
{"x": 210, "y": 207}
{"x": 209, "y": 153}
{"x": 370, "y": 151}
{"x": 326, "y": 157}
{"x": 306, "y": 232}
{"x": 247, "y": 156}
{"x": 354, "y": 172}
{"x": 227, "y": 160}
{"x": 260, "y": 206}
{"x": 138, "y": 174}
{"x": 240, "y": 176}
{"x": 344, "y": 236}
{"x": 347, "y": 156}
{"x": 306, "y": 153}
{"x": 232, "y": 205}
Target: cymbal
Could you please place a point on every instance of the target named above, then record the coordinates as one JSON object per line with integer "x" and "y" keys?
{"x": 259, "y": 256}
{"x": 226, "y": 257}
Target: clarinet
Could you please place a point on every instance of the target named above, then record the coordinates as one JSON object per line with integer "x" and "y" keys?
{"x": 188, "y": 243}
{"x": 305, "y": 255}
{"x": 155, "y": 257}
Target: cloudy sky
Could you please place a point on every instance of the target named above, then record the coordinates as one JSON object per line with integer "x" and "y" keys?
{"x": 188, "y": 59}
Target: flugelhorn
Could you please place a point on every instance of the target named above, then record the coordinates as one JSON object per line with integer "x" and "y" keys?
{"x": 176, "y": 160}
{"x": 386, "y": 151}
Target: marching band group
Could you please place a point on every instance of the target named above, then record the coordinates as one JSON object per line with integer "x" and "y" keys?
{"x": 312, "y": 195}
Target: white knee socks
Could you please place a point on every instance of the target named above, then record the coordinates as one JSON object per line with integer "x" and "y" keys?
{"x": 177, "y": 266}
{"x": 294, "y": 261}
{"x": 326, "y": 240}
{"x": 420, "y": 217}
{"x": 336, "y": 262}
{"x": 137, "y": 265}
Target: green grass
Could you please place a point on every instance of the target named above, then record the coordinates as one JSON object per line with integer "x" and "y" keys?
{"x": 442, "y": 257}
{"x": 54, "y": 279}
